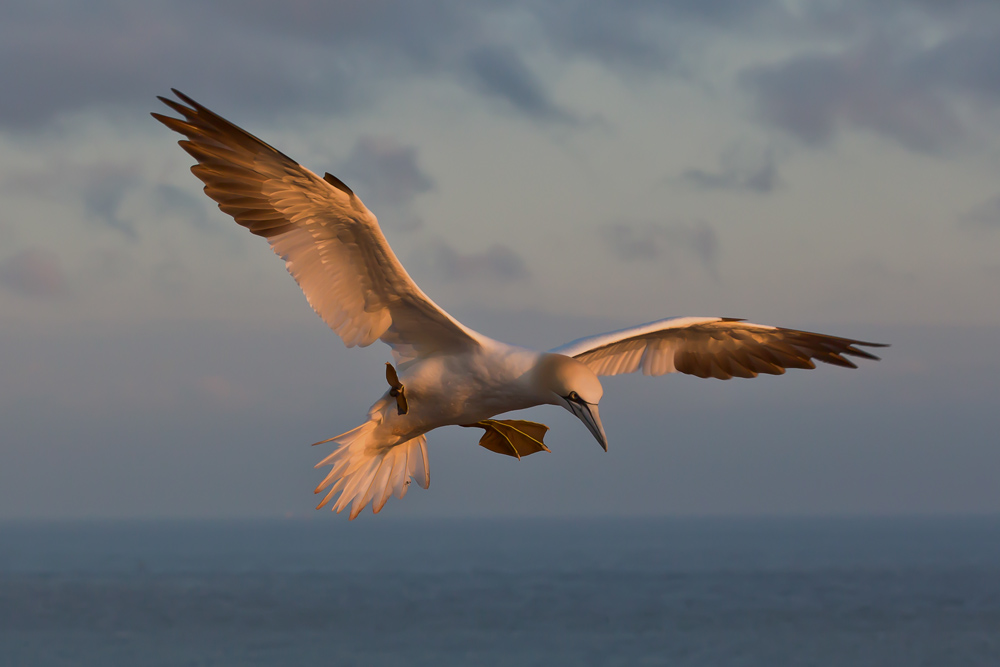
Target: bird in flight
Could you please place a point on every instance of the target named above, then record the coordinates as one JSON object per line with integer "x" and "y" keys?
{"x": 445, "y": 373}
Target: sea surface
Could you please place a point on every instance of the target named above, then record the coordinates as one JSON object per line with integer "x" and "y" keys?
{"x": 384, "y": 591}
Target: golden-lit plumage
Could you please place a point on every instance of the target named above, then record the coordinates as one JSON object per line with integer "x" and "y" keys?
{"x": 447, "y": 374}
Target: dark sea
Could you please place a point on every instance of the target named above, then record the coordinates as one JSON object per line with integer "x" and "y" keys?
{"x": 384, "y": 591}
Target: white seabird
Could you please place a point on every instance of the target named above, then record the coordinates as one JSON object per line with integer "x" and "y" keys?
{"x": 447, "y": 373}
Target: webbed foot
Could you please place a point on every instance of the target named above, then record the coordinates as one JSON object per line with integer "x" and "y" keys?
{"x": 513, "y": 437}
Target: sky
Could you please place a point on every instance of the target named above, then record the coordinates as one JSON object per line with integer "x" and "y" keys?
{"x": 544, "y": 171}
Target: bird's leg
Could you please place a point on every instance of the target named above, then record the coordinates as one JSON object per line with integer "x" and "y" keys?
{"x": 396, "y": 388}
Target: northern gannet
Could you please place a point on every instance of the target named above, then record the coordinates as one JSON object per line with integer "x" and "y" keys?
{"x": 448, "y": 374}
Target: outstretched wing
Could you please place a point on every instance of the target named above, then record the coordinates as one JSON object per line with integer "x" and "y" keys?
{"x": 711, "y": 347}
{"x": 330, "y": 241}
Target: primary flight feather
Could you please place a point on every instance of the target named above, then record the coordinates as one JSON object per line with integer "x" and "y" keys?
{"x": 447, "y": 373}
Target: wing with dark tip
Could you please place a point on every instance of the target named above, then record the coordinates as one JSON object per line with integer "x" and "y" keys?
{"x": 715, "y": 347}
{"x": 330, "y": 241}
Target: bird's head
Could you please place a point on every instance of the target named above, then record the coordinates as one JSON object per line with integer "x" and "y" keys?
{"x": 571, "y": 384}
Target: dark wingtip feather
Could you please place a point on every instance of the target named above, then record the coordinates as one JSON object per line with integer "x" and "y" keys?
{"x": 337, "y": 183}
{"x": 202, "y": 109}
{"x": 213, "y": 127}
{"x": 166, "y": 120}
{"x": 855, "y": 351}
{"x": 867, "y": 344}
{"x": 864, "y": 354}
{"x": 179, "y": 108}
{"x": 838, "y": 360}
{"x": 175, "y": 124}
{"x": 184, "y": 97}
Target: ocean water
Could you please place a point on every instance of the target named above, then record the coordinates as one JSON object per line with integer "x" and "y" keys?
{"x": 383, "y": 591}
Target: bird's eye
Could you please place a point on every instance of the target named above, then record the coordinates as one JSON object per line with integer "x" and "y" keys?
{"x": 573, "y": 396}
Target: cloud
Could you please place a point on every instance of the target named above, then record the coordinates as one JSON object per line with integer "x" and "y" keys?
{"x": 814, "y": 96}
{"x": 34, "y": 273}
{"x": 738, "y": 170}
{"x": 890, "y": 79}
{"x": 97, "y": 187}
{"x": 109, "y": 53}
{"x": 387, "y": 171}
{"x": 650, "y": 37}
{"x": 647, "y": 242}
{"x": 103, "y": 188}
{"x": 316, "y": 56}
{"x": 984, "y": 216}
{"x": 65, "y": 58}
{"x": 497, "y": 264}
{"x": 169, "y": 200}
{"x": 500, "y": 72}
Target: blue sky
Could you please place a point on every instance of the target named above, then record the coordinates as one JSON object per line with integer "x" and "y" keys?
{"x": 543, "y": 173}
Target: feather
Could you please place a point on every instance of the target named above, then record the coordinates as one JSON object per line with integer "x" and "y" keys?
{"x": 322, "y": 230}
{"x": 363, "y": 472}
{"x": 711, "y": 347}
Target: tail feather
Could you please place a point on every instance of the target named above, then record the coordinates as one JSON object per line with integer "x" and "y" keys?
{"x": 400, "y": 477}
{"x": 380, "y": 490}
{"x": 362, "y": 473}
{"x": 416, "y": 465}
{"x": 356, "y": 487}
{"x": 336, "y": 488}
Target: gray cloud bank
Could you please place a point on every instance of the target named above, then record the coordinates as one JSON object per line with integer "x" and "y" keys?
{"x": 903, "y": 70}
{"x": 62, "y": 56}
{"x": 910, "y": 73}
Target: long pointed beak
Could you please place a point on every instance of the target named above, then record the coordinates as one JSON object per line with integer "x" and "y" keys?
{"x": 587, "y": 413}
